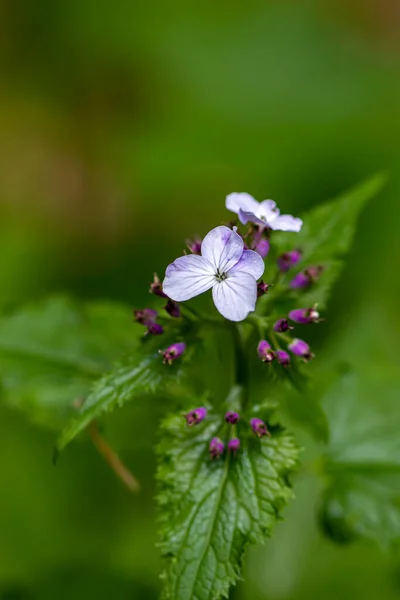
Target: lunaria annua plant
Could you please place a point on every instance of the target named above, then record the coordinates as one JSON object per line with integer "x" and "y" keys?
{"x": 233, "y": 368}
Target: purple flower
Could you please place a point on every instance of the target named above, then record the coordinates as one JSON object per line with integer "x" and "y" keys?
{"x": 216, "y": 447}
{"x": 225, "y": 267}
{"x": 173, "y": 352}
{"x": 195, "y": 416}
{"x": 283, "y": 358}
{"x": 154, "y": 329}
{"x": 265, "y": 214}
{"x": 173, "y": 309}
{"x": 262, "y": 247}
{"x": 265, "y": 351}
{"x": 232, "y": 418}
{"x": 301, "y": 348}
{"x": 145, "y": 316}
{"x": 234, "y": 445}
{"x": 194, "y": 246}
{"x": 307, "y": 277}
{"x": 156, "y": 287}
{"x": 282, "y": 325}
{"x": 287, "y": 260}
{"x": 259, "y": 427}
{"x": 305, "y": 315}
{"x": 262, "y": 288}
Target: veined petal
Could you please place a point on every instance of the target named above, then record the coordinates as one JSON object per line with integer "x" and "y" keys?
{"x": 223, "y": 248}
{"x": 236, "y": 296}
{"x": 242, "y": 200}
{"x": 251, "y": 262}
{"x": 267, "y": 207}
{"x": 245, "y": 216}
{"x": 286, "y": 223}
{"x": 187, "y": 277}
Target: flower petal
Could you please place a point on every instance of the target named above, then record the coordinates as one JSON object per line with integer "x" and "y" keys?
{"x": 247, "y": 215}
{"x": 236, "y": 296}
{"x": 251, "y": 262}
{"x": 241, "y": 200}
{"x": 223, "y": 248}
{"x": 286, "y": 223}
{"x": 187, "y": 277}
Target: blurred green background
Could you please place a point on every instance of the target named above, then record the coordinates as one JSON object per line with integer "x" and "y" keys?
{"x": 123, "y": 126}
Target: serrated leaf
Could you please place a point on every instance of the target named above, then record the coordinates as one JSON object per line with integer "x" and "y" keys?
{"x": 52, "y": 351}
{"x": 210, "y": 510}
{"x": 362, "y": 461}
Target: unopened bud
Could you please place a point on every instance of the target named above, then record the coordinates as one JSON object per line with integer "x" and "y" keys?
{"x": 301, "y": 348}
{"x": 282, "y": 325}
{"x": 216, "y": 448}
{"x": 265, "y": 351}
{"x": 194, "y": 246}
{"x": 283, "y": 358}
{"x": 262, "y": 288}
{"x": 262, "y": 247}
{"x": 305, "y": 315}
{"x": 287, "y": 260}
{"x": 196, "y": 416}
{"x": 156, "y": 287}
{"x": 307, "y": 277}
{"x": 234, "y": 445}
{"x": 173, "y": 309}
{"x": 259, "y": 427}
{"x": 173, "y": 352}
{"x": 232, "y": 418}
{"x": 154, "y": 329}
{"x": 144, "y": 316}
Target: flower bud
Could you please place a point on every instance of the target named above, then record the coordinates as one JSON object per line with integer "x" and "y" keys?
{"x": 195, "y": 416}
{"x": 305, "y": 315}
{"x": 282, "y": 325}
{"x": 232, "y": 418}
{"x": 265, "y": 351}
{"x": 173, "y": 309}
{"x": 262, "y": 247}
{"x": 307, "y": 277}
{"x": 234, "y": 445}
{"x": 145, "y": 316}
{"x": 173, "y": 352}
{"x": 194, "y": 246}
{"x": 283, "y": 358}
{"x": 216, "y": 447}
{"x": 156, "y": 287}
{"x": 154, "y": 329}
{"x": 262, "y": 288}
{"x": 287, "y": 260}
{"x": 259, "y": 427}
{"x": 301, "y": 348}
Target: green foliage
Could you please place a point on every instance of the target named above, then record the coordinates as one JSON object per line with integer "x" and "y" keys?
{"x": 212, "y": 509}
{"x": 51, "y": 352}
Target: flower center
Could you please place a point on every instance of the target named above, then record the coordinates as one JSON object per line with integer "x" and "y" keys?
{"x": 219, "y": 276}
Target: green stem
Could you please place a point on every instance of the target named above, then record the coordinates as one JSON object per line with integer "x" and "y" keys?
{"x": 241, "y": 365}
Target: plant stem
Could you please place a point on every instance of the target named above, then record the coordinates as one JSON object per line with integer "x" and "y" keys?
{"x": 241, "y": 365}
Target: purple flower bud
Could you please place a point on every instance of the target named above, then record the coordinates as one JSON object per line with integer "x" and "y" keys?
{"x": 173, "y": 352}
{"x": 265, "y": 351}
{"x": 287, "y": 260}
{"x": 262, "y": 288}
{"x": 282, "y": 325}
{"x": 234, "y": 445}
{"x": 154, "y": 329}
{"x": 305, "y": 315}
{"x": 262, "y": 247}
{"x": 283, "y": 358}
{"x": 259, "y": 427}
{"x": 301, "y": 348}
{"x": 194, "y": 246}
{"x": 216, "y": 448}
{"x": 195, "y": 416}
{"x": 145, "y": 316}
{"x": 232, "y": 418}
{"x": 173, "y": 309}
{"x": 156, "y": 287}
{"x": 307, "y": 277}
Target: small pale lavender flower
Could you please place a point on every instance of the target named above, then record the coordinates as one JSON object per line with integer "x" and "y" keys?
{"x": 283, "y": 358}
{"x": 156, "y": 287}
{"x": 301, "y": 348}
{"x": 262, "y": 288}
{"x": 307, "y": 277}
{"x": 234, "y": 445}
{"x": 287, "y": 260}
{"x": 173, "y": 309}
{"x": 265, "y": 351}
{"x": 225, "y": 267}
{"x": 195, "y": 416}
{"x": 173, "y": 352}
{"x": 232, "y": 417}
{"x": 259, "y": 427}
{"x": 262, "y": 247}
{"x": 305, "y": 315}
{"x": 216, "y": 448}
{"x": 154, "y": 329}
{"x": 265, "y": 214}
{"x": 282, "y": 325}
{"x": 144, "y": 316}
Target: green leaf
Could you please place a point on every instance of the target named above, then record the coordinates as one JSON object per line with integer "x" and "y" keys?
{"x": 51, "y": 352}
{"x": 210, "y": 510}
{"x": 361, "y": 466}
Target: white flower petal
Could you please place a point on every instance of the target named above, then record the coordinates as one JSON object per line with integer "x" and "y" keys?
{"x": 187, "y": 277}
{"x": 223, "y": 248}
{"x": 286, "y": 223}
{"x": 268, "y": 206}
{"x": 236, "y": 296}
{"x": 246, "y": 216}
{"x": 251, "y": 262}
{"x": 241, "y": 200}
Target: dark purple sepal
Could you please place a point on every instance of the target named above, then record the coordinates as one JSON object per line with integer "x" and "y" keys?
{"x": 282, "y": 325}
{"x": 173, "y": 309}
